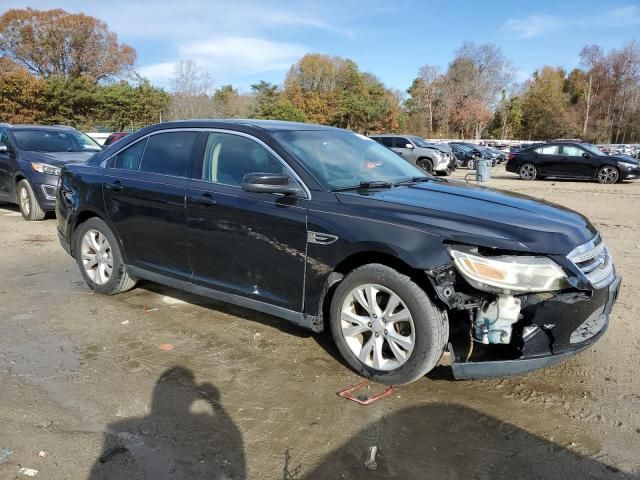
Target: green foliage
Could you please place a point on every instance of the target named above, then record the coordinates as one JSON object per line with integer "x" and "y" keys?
{"x": 269, "y": 104}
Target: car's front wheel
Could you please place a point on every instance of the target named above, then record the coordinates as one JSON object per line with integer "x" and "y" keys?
{"x": 28, "y": 203}
{"x": 528, "y": 171}
{"x": 608, "y": 174}
{"x": 425, "y": 165}
{"x": 386, "y": 326}
{"x": 471, "y": 163}
{"x": 99, "y": 258}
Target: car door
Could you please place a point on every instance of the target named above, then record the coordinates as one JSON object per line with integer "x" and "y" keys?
{"x": 547, "y": 160}
{"x": 575, "y": 164}
{"x": 144, "y": 195}
{"x": 244, "y": 243}
{"x": 400, "y": 145}
{"x": 6, "y": 166}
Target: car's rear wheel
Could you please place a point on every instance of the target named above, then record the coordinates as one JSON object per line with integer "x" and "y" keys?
{"x": 386, "y": 326}
{"x": 528, "y": 171}
{"x": 28, "y": 203}
{"x": 608, "y": 174}
{"x": 99, "y": 258}
{"x": 471, "y": 163}
{"x": 425, "y": 164}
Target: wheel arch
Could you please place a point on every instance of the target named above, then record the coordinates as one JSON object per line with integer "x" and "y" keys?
{"x": 81, "y": 217}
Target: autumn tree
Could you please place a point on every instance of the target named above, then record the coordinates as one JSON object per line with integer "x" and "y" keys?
{"x": 21, "y": 94}
{"x": 270, "y": 104}
{"x": 56, "y": 43}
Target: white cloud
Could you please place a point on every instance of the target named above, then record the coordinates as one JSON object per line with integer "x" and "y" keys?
{"x": 531, "y": 26}
{"x": 228, "y": 56}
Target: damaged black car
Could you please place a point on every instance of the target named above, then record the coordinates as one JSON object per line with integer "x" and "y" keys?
{"x": 330, "y": 230}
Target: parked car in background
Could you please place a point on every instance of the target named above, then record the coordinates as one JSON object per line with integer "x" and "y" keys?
{"x": 572, "y": 160}
{"x": 30, "y": 161}
{"x": 418, "y": 152}
{"x": 114, "y": 137}
{"x": 466, "y": 154}
{"x": 330, "y": 230}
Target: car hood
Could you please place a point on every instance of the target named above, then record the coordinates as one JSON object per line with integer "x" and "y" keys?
{"x": 463, "y": 213}
{"x": 624, "y": 158}
{"x": 57, "y": 159}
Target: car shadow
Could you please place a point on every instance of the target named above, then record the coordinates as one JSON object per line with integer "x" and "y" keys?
{"x": 173, "y": 441}
{"x": 449, "y": 441}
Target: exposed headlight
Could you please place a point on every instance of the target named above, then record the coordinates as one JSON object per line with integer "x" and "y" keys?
{"x": 44, "y": 168}
{"x": 510, "y": 273}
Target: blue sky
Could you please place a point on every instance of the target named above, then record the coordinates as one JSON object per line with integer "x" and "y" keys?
{"x": 243, "y": 41}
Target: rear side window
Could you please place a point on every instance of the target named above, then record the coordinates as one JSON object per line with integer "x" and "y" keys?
{"x": 386, "y": 141}
{"x": 548, "y": 150}
{"x": 129, "y": 158}
{"x": 169, "y": 153}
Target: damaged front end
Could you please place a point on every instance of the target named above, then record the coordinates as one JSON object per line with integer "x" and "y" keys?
{"x": 513, "y": 313}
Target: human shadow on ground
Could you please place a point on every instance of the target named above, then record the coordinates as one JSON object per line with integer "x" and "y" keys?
{"x": 187, "y": 434}
{"x": 449, "y": 441}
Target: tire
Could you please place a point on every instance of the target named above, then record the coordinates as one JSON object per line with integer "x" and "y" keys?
{"x": 425, "y": 165}
{"x": 528, "y": 171}
{"x": 106, "y": 245}
{"x": 608, "y": 175}
{"x": 470, "y": 164}
{"x": 427, "y": 327}
{"x": 28, "y": 202}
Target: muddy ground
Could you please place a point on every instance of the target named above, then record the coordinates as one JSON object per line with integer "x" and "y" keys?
{"x": 87, "y": 392}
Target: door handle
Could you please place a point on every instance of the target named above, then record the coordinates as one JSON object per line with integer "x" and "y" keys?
{"x": 115, "y": 186}
{"x": 206, "y": 200}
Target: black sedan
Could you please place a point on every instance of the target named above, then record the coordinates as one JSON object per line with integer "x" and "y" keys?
{"x": 572, "y": 160}
{"x": 329, "y": 229}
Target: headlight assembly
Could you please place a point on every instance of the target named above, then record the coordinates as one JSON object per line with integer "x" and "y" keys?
{"x": 510, "y": 273}
{"x": 44, "y": 168}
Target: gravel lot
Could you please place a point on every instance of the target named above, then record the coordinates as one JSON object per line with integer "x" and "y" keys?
{"x": 86, "y": 391}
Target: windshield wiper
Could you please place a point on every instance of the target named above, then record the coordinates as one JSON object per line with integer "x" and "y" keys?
{"x": 411, "y": 180}
{"x": 369, "y": 184}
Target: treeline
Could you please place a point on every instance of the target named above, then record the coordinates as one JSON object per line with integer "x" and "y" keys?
{"x": 91, "y": 83}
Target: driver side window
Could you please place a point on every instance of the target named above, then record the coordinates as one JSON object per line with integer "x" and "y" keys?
{"x": 572, "y": 151}
{"x": 228, "y": 158}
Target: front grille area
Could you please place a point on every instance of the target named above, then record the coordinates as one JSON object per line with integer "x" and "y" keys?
{"x": 594, "y": 262}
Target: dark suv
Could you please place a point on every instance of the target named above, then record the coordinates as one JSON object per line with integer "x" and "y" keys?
{"x": 329, "y": 229}
{"x": 30, "y": 161}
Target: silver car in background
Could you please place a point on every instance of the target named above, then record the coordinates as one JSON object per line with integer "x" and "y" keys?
{"x": 431, "y": 157}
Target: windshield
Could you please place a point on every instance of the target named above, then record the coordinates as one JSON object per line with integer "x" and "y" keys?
{"x": 420, "y": 142}
{"x": 592, "y": 149}
{"x": 54, "y": 141}
{"x": 339, "y": 158}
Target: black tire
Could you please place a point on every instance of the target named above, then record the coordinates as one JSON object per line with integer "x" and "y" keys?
{"x": 28, "y": 202}
{"x": 120, "y": 281}
{"x": 431, "y": 324}
{"x": 425, "y": 164}
{"x": 528, "y": 171}
{"x": 608, "y": 175}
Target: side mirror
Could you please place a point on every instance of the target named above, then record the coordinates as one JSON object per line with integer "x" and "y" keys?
{"x": 585, "y": 155}
{"x": 3, "y": 148}
{"x": 409, "y": 146}
{"x": 269, "y": 183}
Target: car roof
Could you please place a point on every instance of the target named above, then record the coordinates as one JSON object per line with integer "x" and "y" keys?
{"x": 37, "y": 127}
{"x": 265, "y": 125}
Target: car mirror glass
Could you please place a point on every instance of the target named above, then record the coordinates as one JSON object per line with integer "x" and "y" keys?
{"x": 408, "y": 145}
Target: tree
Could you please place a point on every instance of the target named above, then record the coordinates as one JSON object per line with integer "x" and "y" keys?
{"x": 191, "y": 90}
{"x": 21, "y": 94}
{"x": 56, "y": 43}
{"x": 270, "y": 104}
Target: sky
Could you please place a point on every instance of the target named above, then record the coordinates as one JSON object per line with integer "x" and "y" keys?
{"x": 240, "y": 42}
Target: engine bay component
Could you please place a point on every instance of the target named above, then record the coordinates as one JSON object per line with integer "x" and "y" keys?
{"x": 495, "y": 319}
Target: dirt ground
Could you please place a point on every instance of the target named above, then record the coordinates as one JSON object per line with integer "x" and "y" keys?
{"x": 86, "y": 391}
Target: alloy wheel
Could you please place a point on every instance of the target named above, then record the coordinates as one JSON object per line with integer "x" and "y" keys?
{"x": 608, "y": 175}
{"x": 377, "y": 326}
{"x": 25, "y": 204}
{"x": 97, "y": 257}
{"x": 528, "y": 172}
